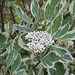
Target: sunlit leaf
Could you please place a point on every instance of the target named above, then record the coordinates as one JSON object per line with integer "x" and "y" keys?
{"x": 22, "y": 15}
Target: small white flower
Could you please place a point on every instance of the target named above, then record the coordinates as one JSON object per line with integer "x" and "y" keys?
{"x": 70, "y": 43}
{"x": 72, "y": 74}
{"x": 66, "y": 43}
{"x": 39, "y": 40}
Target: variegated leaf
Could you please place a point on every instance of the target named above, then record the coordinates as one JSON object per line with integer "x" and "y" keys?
{"x": 50, "y": 59}
{"x": 68, "y": 36}
{"x": 22, "y": 42}
{"x": 22, "y": 66}
{"x": 23, "y": 28}
{"x": 9, "y": 59}
{"x": 62, "y": 31}
{"x": 22, "y": 15}
{"x": 49, "y": 8}
{"x": 31, "y": 72}
{"x": 15, "y": 65}
{"x": 35, "y": 9}
{"x": 57, "y": 9}
{"x": 72, "y": 8}
{"x": 41, "y": 72}
{"x": 58, "y": 69}
{"x": 56, "y": 24}
{"x": 20, "y": 72}
{"x": 64, "y": 54}
{"x": 16, "y": 47}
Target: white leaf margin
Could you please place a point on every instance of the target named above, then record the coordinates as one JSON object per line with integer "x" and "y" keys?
{"x": 14, "y": 42}
{"x": 57, "y": 54}
{"x": 21, "y": 44}
{"x": 70, "y": 32}
{"x": 61, "y": 28}
{"x": 65, "y": 66}
{"x": 19, "y": 64}
{"x": 19, "y": 71}
{"x": 65, "y": 53}
{"x": 32, "y": 7}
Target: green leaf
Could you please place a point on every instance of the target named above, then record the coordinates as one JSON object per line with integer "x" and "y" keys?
{"x": 9, "y": 3}
{"x": 49, "y": 9}
{"x": 2, "y": 40}
{"x": 28, "y": 61}
{"x": 62, "y": 31}
{"x": 23, "y": 28}
{"x": 64, "y": 54}
{"x": 22, "y": 15}
{"x": 2, "y": 61}
{"x": 59, "y": 69}
{"x": 50, "y": 59}
{"x": 56, "y": 24}
{"x": 20, "y": 72}
{"x": 16, "y": 63}
{"x": 68, "y": 36}
{"x": 66, "y": 20}
{"x": 35, "y": 9}
{"x": 16, "y": 47}
{"x": 9, "y": 59}
{"x": 2, "y": 46}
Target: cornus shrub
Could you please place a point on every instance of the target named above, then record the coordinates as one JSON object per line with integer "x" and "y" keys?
{"x": 43, "y": 41}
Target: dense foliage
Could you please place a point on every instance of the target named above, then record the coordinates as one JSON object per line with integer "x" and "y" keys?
{"x": 37, "y": 37}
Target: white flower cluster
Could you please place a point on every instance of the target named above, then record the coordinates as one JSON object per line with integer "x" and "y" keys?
{"x": 39, "y": 40}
